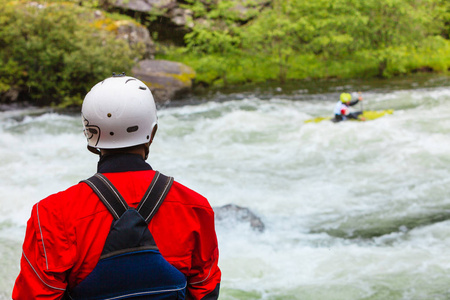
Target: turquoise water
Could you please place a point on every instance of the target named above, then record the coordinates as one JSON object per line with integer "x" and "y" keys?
{"x": 356, "y": 210}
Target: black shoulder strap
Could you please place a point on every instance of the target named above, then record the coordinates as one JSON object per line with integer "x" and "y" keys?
{"x": 149, "y": 205}
{"x": 108, "y": 194}
{"x": 154, "y": 196}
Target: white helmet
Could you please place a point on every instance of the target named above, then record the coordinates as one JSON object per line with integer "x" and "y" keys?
{"x": 118, "y": 112}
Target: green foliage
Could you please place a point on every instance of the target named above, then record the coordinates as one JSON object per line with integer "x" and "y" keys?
{"x": 298, "y": 39}
{"x": 202, "y": 40}
{"x": 48, "y": 51}
{"x": 446, "y": 18}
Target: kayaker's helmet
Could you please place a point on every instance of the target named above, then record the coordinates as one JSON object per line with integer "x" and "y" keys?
{"x": 346, "y": 97}
{"x": 118, "y": 112}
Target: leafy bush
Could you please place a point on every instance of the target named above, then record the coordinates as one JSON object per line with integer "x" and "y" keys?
{"x": 53, "y": 55}
{"x": 299, "y": 39}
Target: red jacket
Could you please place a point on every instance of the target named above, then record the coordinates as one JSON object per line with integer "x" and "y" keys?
{"x": 67, "y": 230}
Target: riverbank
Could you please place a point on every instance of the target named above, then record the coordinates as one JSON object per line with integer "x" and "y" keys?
{"x": 244, "y": 69}
{"x": 319, "y": 89}
{"x": 296, "y": 90}
{"x": 228, "y": 43}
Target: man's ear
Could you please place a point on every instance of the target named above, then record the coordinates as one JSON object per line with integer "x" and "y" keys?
{"x": 155, "y": 128}
{"x": 147, "y": 145}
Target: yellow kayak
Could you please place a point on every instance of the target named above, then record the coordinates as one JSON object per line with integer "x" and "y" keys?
{"x": 365, "y": 116}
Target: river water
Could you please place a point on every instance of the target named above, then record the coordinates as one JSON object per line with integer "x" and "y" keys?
{"x": 355, "y": 210}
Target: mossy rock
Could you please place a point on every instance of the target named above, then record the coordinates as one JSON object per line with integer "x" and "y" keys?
{"x": 167, "y": 80}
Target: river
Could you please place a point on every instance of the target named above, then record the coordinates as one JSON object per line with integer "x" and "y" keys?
{"x": 354, "y": 210}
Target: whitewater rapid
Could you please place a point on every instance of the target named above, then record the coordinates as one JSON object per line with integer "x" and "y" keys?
{"x": 355, "y": 210}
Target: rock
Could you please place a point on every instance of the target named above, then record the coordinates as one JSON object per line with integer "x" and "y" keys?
{"x": 134, "y": 34}
{"x": 246, "y": 10}
{"x": 167, "y": 80}
{"x": 168, "y": 8}
{"x": 11, "y": 95}
{"x": 180, "y": 17}
{"x": 146, "y": 5}
{"x": 240, "y": 214}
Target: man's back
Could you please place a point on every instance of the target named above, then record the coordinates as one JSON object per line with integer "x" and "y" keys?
{"x": 67, "y": 231}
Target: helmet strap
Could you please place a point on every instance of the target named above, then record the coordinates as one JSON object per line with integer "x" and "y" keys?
{"x": 94, "y": 150}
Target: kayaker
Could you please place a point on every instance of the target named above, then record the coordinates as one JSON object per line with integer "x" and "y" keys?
{"x": 342, "y": 111}
{"x": 75, "y": 243}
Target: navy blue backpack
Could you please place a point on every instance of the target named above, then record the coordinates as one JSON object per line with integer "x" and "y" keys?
{"x": 131, "y": 266}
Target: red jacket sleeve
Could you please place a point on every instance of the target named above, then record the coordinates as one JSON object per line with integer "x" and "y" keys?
{"x": 205, "y": 275}
{"x": 46, "y": 257}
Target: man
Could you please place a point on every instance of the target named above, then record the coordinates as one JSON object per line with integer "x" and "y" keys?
{"x": 64, "y": 247}
{"x": 341, "y": 110}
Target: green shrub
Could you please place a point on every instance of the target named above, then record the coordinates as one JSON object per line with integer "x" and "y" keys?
{"x": 300, "y": 39}
{"x": 53, "y": 55}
